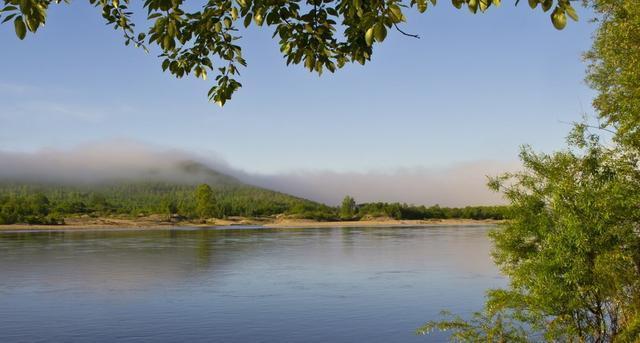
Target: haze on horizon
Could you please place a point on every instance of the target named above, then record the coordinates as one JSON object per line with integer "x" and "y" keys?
{"x": 457, "y": 185}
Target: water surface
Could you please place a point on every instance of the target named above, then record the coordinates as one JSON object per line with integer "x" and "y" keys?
{"x": 239, "y": 285}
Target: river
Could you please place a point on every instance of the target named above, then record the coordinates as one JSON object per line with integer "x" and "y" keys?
{"x": 239, "y": 285}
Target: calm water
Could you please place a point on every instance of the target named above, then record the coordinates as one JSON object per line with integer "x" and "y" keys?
{"x": 241, "y": 285}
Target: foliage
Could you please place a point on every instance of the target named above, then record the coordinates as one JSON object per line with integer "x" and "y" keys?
{"x": 31, "y": 209}
{"x": 613, "y": 71}
{"x": 170, "y": 207}
{"x": 206, "y": 39}
{"x": 413, "y": 212}
{"x": 202, "y": 201}
{"x": 572, "y": 246}
{"x": 483, "y": 327}
{"x": 347, "y": 208}
{"x": 205, "y": 202}
{"x": 571, "y": 249}
{"x": 145, "y": 198}
{"x": 313, "y": 211}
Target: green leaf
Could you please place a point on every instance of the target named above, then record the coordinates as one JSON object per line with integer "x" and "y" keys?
{"x": 396, "y": 13}
{"x": 9, "y": 17}
{"x": 258, "y": 19}
{"x": 422, "y": 5}
{"x": 558, "y": 18}
{"x": 571, "y": 12}
{"x": 368, "y": 36}
{"x": 8, "y": 8}
{"x": 310, "y": 62}
{"x": 533, "y": 3}
{"x": 379, "y": 32}
{"x": 21, "y": 28}
{"x": 473, "y": 6}
{"x": 484, "y": 4}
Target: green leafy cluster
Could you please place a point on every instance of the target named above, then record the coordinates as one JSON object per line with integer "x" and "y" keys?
{"x": 571, "y": 248}
{"x": 349, "y": 210}
{"x": 614, "y": 64}
{"x": 320, "y": 34}
{"x": 421, "y": 212}
{"x": 348, "y": 207}
{"x": 31, "y": 209}
{"x": 482, "y": 327}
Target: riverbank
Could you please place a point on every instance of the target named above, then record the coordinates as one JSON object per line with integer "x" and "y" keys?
{"x": 157, "y": 223}
{"x": 380, "y": 223}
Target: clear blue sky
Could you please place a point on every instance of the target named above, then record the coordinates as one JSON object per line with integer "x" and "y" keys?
{"x": 475, "y": 87}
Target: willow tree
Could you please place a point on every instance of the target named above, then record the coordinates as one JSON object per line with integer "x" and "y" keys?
{"x": 572, "y": 247}
{"x": 320, "y": 34}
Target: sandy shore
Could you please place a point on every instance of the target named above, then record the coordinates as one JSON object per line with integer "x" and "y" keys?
{"x": 155, "y": 223}
{"x": 380, "y": 223}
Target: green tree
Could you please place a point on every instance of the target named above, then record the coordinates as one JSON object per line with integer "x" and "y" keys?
{"x": 205, "y": 202}
{"x": 321, "y": 35}
{"x": 98, "y": 202}
{"x": 38, "y": 204}
{"x": 347, "y": 208}
{"x": 614, "y": 66}
{"x": 572, "y": 246}
{"x": 169, "y": 207}
{"x": 571, "y": 250}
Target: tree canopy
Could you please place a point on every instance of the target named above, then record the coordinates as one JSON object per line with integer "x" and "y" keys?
{"x": 614, "y": 64}
{"x": 571, "y": 248}
{"x": 348, "y": 207}
{"x": 320, "y": 34}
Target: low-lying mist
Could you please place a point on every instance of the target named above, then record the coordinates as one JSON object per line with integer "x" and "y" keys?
{"x": 457, "y": 185}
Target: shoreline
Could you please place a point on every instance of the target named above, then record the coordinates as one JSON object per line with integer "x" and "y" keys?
{"x": 129, "y": 224}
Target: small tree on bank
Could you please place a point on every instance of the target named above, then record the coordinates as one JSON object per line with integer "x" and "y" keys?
{"x": 205, "y": 201}
{"x": 169, "y": 207}
{"x": 348, "y": 208}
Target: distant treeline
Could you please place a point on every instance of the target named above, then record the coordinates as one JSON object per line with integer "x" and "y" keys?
{"x": 404, "y": 211}
{"x": 20, "y": 203}
{"x": 49, "y": 204}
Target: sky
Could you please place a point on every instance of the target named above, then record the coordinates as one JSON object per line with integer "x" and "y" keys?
{"x": 470, "y": 91}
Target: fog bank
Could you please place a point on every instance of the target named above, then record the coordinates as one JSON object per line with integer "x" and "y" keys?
{"x": 456, "y": 185}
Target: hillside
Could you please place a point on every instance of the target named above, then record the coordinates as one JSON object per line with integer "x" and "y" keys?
{"x": 167, "y": 193}
{"x": 190, "y": 191}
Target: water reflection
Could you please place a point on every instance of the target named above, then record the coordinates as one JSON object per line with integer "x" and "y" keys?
{"x": 340, "y": 284}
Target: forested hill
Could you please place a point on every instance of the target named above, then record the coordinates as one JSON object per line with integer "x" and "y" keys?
{"x": 189, "y": 191}
{"x": 163, "y": 192}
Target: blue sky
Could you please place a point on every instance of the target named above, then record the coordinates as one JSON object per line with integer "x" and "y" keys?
{"x": 474, "y": 87}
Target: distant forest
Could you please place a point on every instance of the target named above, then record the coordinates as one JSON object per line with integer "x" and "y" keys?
{"x": 50, "y": 204}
